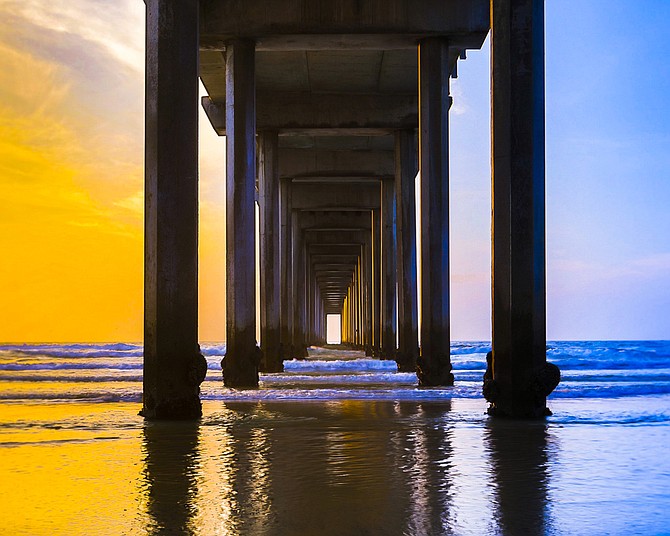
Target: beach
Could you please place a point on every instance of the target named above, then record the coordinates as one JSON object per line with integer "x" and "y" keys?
{"x": 335, "y": 445}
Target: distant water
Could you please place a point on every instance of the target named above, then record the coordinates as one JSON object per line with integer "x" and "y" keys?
{"x": 113, "y": 372}
{"x": 337, "y": 444}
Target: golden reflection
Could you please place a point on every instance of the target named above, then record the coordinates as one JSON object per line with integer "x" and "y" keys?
{"x": 518, "y": 459}
{"x": 216, "y": 499}
{"x": 286, "y": 468}
{"x": 171, "y": 471}
{"x": 60, "y": 467}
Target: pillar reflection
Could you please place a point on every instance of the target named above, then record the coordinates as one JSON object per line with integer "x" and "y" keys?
{"x": 273, "y": 468}
{"x": 421, "y": 453}
{"x": 171, "y": 463}
{"x": 518, "y": 453}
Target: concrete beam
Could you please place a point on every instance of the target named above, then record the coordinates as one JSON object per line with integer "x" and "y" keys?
{"x": 335, "y": 221}
{"x": 311, "y": 196}
{"x": 305, "y": 24}
{"x": 296, "y": 163}
{"x": 314, "y": 113}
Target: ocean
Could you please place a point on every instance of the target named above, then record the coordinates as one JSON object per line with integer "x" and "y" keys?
{"x": 337, "y": 444}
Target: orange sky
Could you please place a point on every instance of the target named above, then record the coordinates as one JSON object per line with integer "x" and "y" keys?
{"x": 71, "y": 182}
{"x": 71, "y": 176}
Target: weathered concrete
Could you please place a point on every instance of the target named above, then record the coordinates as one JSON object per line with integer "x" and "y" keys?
{"x": 520, "y": 376}
{"x": 240, "y": 365}
{"x": 367, "y": 296}
{"x": 173, "y": 365}
{"x": 268, "y": 182}
{"x": 335, "y": 196}
{"x": 376, "y": 283}
{"x": 299, "y": 282}
{"x": 286, "y": 270}
{"x": 297, "y": 163}
{"x": 303, "y": 112}
{"x": 323, "y": 24}
{"x": 408, "y": 324}
{"x": 388, "y": 265}
{"x": 435, "y": 60}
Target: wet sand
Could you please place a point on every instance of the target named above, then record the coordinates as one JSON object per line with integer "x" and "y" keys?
{"x": 334, "y": 467}
{"x": 342, "y": 468}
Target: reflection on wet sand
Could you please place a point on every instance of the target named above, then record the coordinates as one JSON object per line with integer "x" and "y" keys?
{"x": 343, "y": 467}
{"x": 519, "y": 469}
{"x": 170, "y": 474}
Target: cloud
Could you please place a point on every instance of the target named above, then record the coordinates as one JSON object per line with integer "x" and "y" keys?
{"x": 117, "y": 27}
{"x": 576, "y": 273}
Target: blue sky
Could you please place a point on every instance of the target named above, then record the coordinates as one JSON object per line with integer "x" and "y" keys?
{"x": 608, "y": 173}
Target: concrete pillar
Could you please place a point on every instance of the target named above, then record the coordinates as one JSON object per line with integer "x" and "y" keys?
{"x": 240, "y": 365}
{"x": 309, "y": 330}
{"x": 286, "y": 271}
{"x": 361, "y": 300}
{"x": 434, "y": 366}
{"x": 299, "y": 317}
{"x": 345, "y": 319}
{"x": 519, "y": 378}
{"x": 367, "y": 290}
{"x": 376, "y": 283}
{"x": 319, "y": 317}
{"x": 388, "y": 280}
{"x": 173, "y": 365}
{"x": 408, "y": 325}
{"x": 311, "y": 302}
{"x": 356, "y": 304}
{"x": 268, "y": 182}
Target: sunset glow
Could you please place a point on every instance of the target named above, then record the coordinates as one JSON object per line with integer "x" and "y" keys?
{"x": 71, "y": 177}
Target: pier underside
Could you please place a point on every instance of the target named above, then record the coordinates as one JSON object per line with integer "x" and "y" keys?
{"x": 329, "y": 111}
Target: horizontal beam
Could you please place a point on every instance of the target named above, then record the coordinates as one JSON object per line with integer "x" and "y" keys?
{"x": 352, "y": 178}
{"x": 318, "y": 113}
{"x": 320, "y": 196}
{"x": 324, "y": 24}
{"x": 295, "y": 163}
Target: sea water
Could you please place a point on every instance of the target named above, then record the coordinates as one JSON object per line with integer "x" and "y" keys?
{"x": 337, "y": 444}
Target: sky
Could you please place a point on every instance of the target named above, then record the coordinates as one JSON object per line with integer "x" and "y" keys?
{"x": 71, "y": 176}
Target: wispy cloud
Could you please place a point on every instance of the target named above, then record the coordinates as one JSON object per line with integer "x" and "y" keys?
{"x": 115, "y": 26}
{"x": 583, "y": 272}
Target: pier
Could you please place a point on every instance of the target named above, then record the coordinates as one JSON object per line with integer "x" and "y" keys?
{"x": 329, "y": 110}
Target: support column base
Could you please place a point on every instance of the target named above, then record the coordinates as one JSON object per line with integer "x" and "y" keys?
{"x": 241, "y": 370}
{"x": 388, "y": 353}
{"x": 162, "y": 402}
{"x": 406, "y": 361}
{"x": 434, "y": 373}
{"x": 172, "y": 409}
{"x": 285, "y": 352}
{"x": 272, "y": 358}
{"x": 525, "y": 399}
{"x": 300, "y": 351}
{"x": 272, "y": 366}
